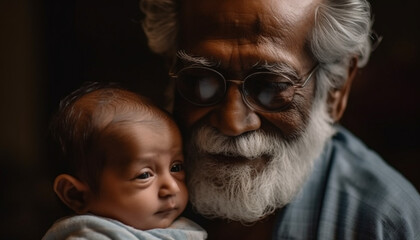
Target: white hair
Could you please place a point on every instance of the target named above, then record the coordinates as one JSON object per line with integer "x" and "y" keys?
{"x": 252, "y": 188}
{"x": 341, "y": 32}
{"x": 160, "y": 25}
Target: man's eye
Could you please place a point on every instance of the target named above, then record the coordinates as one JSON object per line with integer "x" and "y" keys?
{"x": 144, "y": 175}
{"x": 178, "y": 167}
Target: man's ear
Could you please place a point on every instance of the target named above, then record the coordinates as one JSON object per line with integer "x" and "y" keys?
{"x": 72, "y": 192}
{"x": 337, "y": 98}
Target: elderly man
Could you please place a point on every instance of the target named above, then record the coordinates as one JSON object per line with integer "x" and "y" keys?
{"x": 260, "y": 87}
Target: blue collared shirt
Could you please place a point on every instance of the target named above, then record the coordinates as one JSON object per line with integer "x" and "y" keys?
{"x": 351, "y": 194}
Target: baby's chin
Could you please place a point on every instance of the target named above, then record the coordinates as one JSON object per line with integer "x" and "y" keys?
{"x": 142, "y": 225}
{"x": 162, "y": 219}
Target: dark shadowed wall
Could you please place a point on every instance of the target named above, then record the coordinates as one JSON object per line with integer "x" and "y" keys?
{"x": 48, "y": 48}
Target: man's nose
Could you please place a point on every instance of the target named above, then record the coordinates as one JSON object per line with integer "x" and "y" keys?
{"x": 233, "y": 117}
{"x": 168, "y": 186}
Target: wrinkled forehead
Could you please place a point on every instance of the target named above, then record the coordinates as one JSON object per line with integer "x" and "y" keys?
{"x": 244, "y": 19}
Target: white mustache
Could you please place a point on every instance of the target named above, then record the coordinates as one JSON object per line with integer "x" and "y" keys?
{"x": 250, "y": 145}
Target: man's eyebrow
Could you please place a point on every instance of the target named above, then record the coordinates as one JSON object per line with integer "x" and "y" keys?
{"x": 195, "y": 61}
{"x": 279, "y": 68}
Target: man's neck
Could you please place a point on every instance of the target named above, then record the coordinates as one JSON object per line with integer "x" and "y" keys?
{"x": 221, "y": 229}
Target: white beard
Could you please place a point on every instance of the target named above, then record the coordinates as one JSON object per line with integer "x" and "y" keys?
{"x": 252, "y": 189}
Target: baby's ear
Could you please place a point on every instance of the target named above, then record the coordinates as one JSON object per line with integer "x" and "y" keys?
{"x": 72, "y": 192}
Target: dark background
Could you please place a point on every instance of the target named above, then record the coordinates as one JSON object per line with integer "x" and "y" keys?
{"x": 48, "y": 48}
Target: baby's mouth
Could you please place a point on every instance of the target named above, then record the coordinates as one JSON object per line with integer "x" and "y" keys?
{"x": 167, "y": 210}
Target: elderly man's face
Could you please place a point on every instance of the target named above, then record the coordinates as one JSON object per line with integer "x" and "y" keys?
{"x": 240, "y": 34}
{"x": 231, "y": 144}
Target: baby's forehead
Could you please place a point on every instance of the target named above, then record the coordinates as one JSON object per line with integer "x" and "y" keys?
{"x": 122, "y": 141}
{"x": 127, "y": 123}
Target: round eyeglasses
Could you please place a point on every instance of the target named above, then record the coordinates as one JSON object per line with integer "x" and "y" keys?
{"x": 261, "y": 91}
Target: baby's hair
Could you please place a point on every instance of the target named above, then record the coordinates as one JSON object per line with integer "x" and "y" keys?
{"x": 82, "y": 117}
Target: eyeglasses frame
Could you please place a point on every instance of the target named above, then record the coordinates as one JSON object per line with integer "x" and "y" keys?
{"x": 241, "y": 82}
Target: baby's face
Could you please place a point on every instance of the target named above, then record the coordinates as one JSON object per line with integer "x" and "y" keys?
{"x": 143, "y": 183}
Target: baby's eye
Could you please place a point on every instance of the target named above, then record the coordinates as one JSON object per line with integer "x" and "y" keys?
{"x": 177, "y": 167}
{"x": 144, "y": 175}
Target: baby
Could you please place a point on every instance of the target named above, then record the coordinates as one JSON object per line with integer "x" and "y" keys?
{"x": 122, "y": 168}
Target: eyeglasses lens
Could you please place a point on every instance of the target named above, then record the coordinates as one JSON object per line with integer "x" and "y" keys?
{"x": 268, "y": 91}
{"x": 201, "y": 86}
